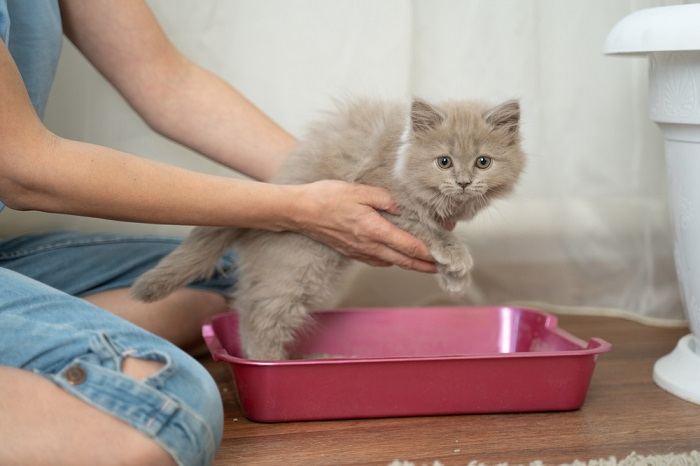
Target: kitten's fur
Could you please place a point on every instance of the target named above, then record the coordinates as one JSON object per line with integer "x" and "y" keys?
{"x": 282, "y": 276}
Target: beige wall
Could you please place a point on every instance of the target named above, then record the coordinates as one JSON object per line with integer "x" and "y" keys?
{"x": 588, "y": 224}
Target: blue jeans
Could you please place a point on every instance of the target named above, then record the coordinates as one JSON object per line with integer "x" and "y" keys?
{"x": 47, "y": 329}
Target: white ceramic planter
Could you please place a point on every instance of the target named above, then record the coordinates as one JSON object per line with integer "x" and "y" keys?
{"x": 670, "y": 36}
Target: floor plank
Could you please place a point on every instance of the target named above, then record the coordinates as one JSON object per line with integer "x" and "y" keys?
{"x": 624, "y": 412}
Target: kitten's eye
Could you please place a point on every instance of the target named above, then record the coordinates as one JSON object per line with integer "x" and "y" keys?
{"x": 444, "y": 162}
{"x": 483, "y": 162}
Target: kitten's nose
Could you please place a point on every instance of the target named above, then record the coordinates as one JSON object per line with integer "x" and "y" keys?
{"x": 464, "y": 184}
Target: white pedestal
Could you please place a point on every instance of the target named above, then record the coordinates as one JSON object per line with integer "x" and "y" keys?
{"x": 679, "y": 371}
{"x": 674, "y": 101}
{"x": 671, "y": 39}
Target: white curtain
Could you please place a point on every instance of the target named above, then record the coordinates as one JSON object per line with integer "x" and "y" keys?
{"x": 587, "y": 227}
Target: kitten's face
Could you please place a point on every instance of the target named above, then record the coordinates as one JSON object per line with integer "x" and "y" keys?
{"x": 460, "y": 155}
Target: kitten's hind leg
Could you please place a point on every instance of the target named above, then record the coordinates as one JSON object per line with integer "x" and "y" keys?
{"x": 195, "y": 258}
{"x": 283, "y": 276}
{"x": 271, "y": 326}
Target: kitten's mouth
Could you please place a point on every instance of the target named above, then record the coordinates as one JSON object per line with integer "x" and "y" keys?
{"x": 461, "y": 194}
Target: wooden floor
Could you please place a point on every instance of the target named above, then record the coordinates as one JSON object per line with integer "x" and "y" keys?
{"x": 625, "y": 411}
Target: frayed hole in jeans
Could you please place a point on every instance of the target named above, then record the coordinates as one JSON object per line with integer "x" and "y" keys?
{"x": 140, "y": 369}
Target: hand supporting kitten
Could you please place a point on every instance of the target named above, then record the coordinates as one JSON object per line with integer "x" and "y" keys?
{"x": 454, "y": 262}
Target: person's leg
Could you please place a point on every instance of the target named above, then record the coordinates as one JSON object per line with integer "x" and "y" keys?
{"x": 101, "y": 267}
{"x": 177, "y": 318}
{"x": 86, "y": 387}
{"x": 41, "y": 424}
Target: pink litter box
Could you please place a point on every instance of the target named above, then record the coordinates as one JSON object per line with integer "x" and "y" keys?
{"x": 413, "y": 362}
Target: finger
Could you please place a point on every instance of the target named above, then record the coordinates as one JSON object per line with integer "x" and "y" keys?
{"x": 387, "y": 254}
{"x": 361, "y": 256}
{"x": 422, "y": 266}
{"x": 378, "y": 198}
{"x": 374, "y": 262}
{"x": 403, "y": 242}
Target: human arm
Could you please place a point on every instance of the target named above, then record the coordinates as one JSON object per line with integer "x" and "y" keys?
{"x": 173, "y": 95}
{"x": 41, "y": 171}
{"x": 194, "y": 107}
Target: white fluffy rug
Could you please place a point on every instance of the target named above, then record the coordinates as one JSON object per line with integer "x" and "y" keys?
{"x": 633, "y": 459}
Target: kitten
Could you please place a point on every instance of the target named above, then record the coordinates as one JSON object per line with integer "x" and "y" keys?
{"x": 441, "y": 163}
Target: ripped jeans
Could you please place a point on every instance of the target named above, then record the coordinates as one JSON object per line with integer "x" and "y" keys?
{"x": 80, "y": 347}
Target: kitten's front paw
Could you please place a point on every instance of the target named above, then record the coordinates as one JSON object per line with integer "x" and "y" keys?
{"x": 454, "y": 264}
{"x": 453, "y": 285}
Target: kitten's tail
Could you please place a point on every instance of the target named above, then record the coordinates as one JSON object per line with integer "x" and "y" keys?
{"x": 194, "y": 259}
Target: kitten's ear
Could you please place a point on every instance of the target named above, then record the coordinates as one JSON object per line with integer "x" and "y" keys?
{"x": 505, "y": 116}
{"x": 424, "y": 116}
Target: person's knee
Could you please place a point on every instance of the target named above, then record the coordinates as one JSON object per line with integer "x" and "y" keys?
{"x": 202, "y": 394}
{"x": 46, "y": 424}
{"x": 204, "y": 399}
{"x": 196, "y": 392}
{"x": 140, "y": 369}
{"x": 145, "y": 451}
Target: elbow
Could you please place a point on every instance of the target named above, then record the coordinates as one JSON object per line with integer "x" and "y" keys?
{"x": 155, "y": 122}
{"x": 15, "y": 196}
{"x": 18, "y": 180}
{"x": 15, "y": 192}
{"x": 161, "y": 104}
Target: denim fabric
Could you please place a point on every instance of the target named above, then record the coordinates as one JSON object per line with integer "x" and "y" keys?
{"x": 48, "y": 330}
{"x": 82, "y": 264}
{"x": 32, "y": 31}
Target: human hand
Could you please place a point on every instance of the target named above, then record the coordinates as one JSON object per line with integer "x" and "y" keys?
{"x": 344, "y": 216}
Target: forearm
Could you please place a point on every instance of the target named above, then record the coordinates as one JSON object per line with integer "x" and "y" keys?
{"x": 63, "y": 176}
{"x": 177, "y": 98}
{"x": 201, "y": 111}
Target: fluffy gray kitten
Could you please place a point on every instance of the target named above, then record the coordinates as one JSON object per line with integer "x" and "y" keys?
{"x": 441, "y": 163}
